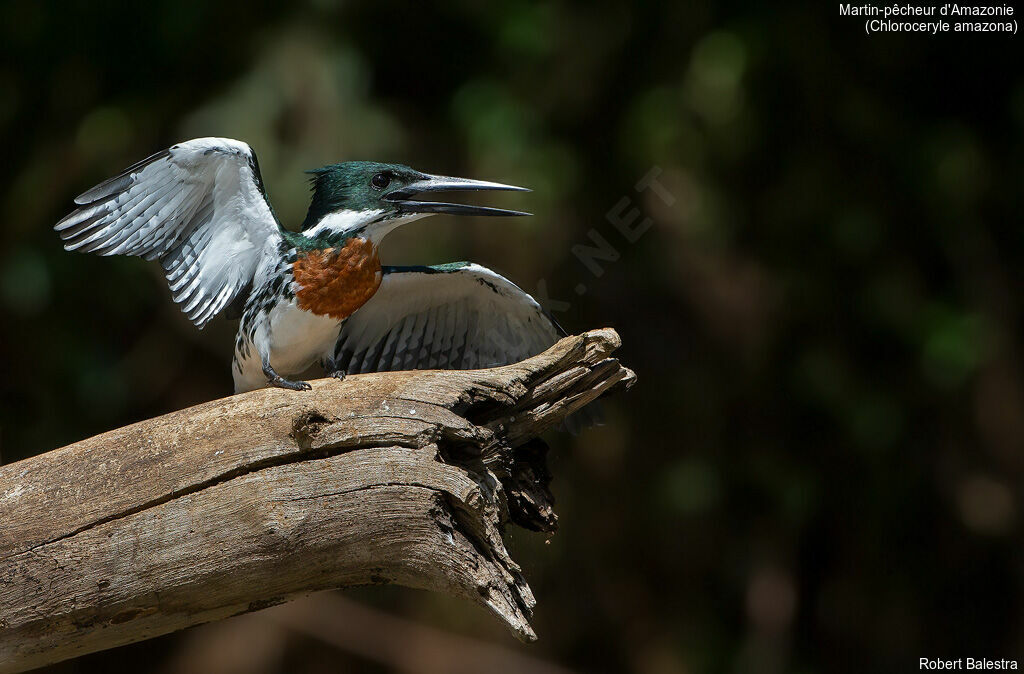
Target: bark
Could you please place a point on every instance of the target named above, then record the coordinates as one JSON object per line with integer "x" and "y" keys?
{"x": 245, "y": 502}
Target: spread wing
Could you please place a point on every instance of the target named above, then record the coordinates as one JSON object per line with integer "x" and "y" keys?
{"x": 198, "y": 207}
{"x": 459, "y": 316}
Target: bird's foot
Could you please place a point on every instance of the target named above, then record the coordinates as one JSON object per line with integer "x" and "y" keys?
{"x": 274, "y": 379}
{"x": 281, "y": 382}
{"x": 333, "y": 369}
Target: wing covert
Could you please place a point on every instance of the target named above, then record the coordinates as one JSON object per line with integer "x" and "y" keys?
{"x": 455, "y": 316}
{"x": 197, "y": 207}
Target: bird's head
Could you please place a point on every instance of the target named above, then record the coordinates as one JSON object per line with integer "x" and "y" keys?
{"x": 373, "y": 198}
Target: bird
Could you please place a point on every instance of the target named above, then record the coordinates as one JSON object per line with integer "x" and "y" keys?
{"x": 319, "y": 295}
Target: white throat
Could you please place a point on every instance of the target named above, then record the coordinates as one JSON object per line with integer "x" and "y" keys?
{"x": 343, "y": 222}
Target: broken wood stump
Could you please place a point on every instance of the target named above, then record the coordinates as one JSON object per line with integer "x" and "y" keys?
{"x": 245, "y": 502}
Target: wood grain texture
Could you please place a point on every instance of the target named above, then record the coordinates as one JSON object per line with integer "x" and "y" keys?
{"x": 245, "y": 502}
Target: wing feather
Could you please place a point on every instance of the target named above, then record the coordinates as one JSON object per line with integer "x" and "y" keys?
{"x": 427, "y": 345}
{"x": 387, "y": 355}
{"x": 459, "y": 334}
{"x": 197, "y": 207}
{"x": 130, "y": 214}
{"x": 119, "y": 182}
{"x": 447, "y": 335}
{"x": 402, "y": 347}
{"x": 449, "y": 317}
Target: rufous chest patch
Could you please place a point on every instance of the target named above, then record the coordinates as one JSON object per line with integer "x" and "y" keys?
{"x": 336, "y": 281}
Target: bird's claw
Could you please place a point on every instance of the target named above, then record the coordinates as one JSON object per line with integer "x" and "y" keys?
{"x": 281, "y": 382}
{"x": 339, "y": 374}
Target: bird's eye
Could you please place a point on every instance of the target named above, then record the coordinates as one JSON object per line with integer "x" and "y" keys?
{"x": 380, "y": 180}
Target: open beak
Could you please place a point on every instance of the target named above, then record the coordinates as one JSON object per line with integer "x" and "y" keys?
{"x": 429, "y": 183}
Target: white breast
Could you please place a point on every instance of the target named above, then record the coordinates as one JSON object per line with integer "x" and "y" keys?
{"x": 298, "y": 338}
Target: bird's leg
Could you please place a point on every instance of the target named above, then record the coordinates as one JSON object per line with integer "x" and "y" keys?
{"x": 274, "y": 379}
{"x": 332, "y": 369}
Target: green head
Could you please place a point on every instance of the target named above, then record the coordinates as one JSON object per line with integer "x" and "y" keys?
{"x": 373, "y": 198}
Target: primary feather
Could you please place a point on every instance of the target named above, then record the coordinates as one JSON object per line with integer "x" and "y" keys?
{"x": 197, "y": 207}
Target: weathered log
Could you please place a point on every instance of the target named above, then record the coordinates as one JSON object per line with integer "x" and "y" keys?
{"x": 248, "y": 501}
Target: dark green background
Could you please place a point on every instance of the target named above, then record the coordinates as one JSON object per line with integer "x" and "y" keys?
{"x": 820, "y": 467}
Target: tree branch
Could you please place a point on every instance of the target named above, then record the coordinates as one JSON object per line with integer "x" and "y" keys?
{"x": 245, "y": 502}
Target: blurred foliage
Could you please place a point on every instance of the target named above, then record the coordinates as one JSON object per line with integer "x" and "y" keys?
{"x": 820, "y": 467}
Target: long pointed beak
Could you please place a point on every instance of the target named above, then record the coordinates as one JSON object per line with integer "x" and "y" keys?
{"x": 429, "y": 183}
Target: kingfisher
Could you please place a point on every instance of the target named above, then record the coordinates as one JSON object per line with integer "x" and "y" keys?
{"x": 318, "y": 296}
